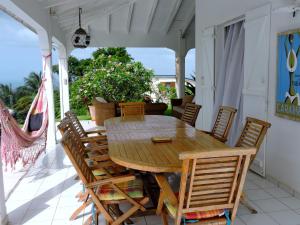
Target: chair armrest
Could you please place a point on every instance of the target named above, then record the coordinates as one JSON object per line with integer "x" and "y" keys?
{"x": 100, "y": 158}
{"x": 176, "y": 102}
{"x": 97, "y": 147}
{"x": 102, "y": 165}
{"x": 93, "y": 139}
{"x": 95, "y": 132}
{"x": 112, "y": 180}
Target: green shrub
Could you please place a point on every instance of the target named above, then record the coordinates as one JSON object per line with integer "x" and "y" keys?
{"x": 113, "y": 80}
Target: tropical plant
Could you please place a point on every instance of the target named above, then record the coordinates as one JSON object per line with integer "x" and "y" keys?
{"x": 116, "y": 78}
{"x": 166, "y": 93}
{"x": 22, "y": 107}
{"x": 190, "y": 89}
{"x": 7, "y": 95}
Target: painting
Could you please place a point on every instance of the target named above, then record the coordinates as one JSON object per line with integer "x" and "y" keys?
{"x": 288, "y": 75}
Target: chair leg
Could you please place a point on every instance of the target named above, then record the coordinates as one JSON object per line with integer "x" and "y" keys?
{"x": 164, "y": 218}
{"x": 131, "y": 211}
{"x": 88, "y": 221}
{"x": 78, "y": 210}
{"x": 247, "y": 204}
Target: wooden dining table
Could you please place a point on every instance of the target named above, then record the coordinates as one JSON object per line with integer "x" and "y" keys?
{"x": 130, "y": 144}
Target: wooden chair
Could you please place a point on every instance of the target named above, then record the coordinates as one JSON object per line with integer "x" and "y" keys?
{"x": 223, "y": 123}
{"x": 97, "y": 152}
{"x": 80, "y": 130}
{"x": 97, "y": 159}
{"x": 211, "y": 185}
{"x": 132, "y": 109}
{"x": 109, "y": 191}
{"x": 190, "y": 114}
{"x": 99, "y": 139}
{"x": 252, "y": 136}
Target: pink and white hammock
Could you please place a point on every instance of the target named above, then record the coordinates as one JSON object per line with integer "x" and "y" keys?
{"x": 23, "y": 143}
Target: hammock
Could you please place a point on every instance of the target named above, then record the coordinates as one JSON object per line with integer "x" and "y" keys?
{"x": 27, "y": 143}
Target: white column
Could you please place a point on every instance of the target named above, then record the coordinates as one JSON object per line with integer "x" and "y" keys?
{"x": 180, "y": 67}
{"x": 46, "y": 48}
{"x": 3, "y": 216}
{"x": 63, "y": 82}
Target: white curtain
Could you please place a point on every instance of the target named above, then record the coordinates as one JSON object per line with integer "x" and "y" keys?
{"x": 229, "y": 82}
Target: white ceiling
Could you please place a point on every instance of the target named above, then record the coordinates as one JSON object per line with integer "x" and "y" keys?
{"x": 131, "y": 23}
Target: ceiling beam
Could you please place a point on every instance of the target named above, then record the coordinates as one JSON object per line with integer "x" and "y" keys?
{"x": 51, "y": 4}
{"x": 96, "y": 12}
{"x": 108, "y": 23}
{"x": 90, "y": 16}
{"x": 189, "y": 19}
{"x": 172, "y": 15}
{"x": 129, "y": 18}
{"x": 151, "y": 16}
{"x": 86, "y": 5}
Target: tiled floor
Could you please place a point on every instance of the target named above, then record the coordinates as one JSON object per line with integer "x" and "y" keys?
{"x": 46, "y": 197}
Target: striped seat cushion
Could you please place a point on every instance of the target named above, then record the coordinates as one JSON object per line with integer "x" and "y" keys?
{"x": 195, "y": 215}
{"x": 133, "y": 188}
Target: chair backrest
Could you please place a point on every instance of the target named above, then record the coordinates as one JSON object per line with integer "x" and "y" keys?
{"x": 253, "y": 134}
{"x": 63, "y": 126}
{"x": 212, "y": 180}
{"x": 72, "y": 149}
{"x": 132, "y": 109}
{"x": 67, "y": 126}
{"x": 76, "y": 123}
{"x": 223, "y": 123}
{"x": 190, "y": 114}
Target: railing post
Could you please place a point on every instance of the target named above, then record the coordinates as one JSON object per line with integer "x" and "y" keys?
{"x": 180, "y": 67}
{"x": 63, "y": 81}
{"x": 46, "y": 48}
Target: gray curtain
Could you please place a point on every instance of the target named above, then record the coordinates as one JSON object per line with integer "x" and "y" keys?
{"x": 229, "y": 82}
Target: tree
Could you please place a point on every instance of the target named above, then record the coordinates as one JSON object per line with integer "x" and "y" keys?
{"x": 7, "y": 95}
{"x": 116, "y": 78}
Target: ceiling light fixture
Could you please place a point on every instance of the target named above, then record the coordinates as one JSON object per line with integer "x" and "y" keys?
{"x": 80, "y": 39}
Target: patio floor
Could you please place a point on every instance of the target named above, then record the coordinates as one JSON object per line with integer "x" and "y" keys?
{"x": 46, "y": 196}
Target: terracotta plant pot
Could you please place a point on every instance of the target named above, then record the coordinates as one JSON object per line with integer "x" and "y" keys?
{"x": 92, "y": 112}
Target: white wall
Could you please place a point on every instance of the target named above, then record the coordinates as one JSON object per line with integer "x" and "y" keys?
{"x": 283, "y": 152}
{"x": 283, "y": 140}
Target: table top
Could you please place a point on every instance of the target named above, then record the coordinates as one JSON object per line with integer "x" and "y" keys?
{"x": 130, "y": 145}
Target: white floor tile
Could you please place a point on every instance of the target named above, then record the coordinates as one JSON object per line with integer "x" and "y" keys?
{"x": 258, "y": 219}
{"x": 153, "y": 220}
{"x": 271, "y": 205}
{"x": 238, "y": 221}
{"x": 257, "y": 194}
{"x": 39, "y": 215}
{"x": 250, "y": 185}
{"x": 264, "y": 183}
{"x": 286, "y": 217}
{"x": 278, "y": 192}
{"x": 243, "y": 210}
{"x": 292, "y": 202}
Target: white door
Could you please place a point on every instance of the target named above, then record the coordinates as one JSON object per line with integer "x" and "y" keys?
{"x": 205, "y": 78}
{"x": 256, "y": 70}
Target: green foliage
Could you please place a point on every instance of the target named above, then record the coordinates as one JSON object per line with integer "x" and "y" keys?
{"x": 116, "y": 78}
{"x": 7, "y": 95}
{"x": 56, "y": 103}
{"x": 22, "y": 107}
{"x": 190, "y": 89}
{"x": 166, "y": 93}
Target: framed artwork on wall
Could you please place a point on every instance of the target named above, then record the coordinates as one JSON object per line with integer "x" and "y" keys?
{"x": 288, "y": 75}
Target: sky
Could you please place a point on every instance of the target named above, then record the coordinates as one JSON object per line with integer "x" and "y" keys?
{"x": 20, "y": 54}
